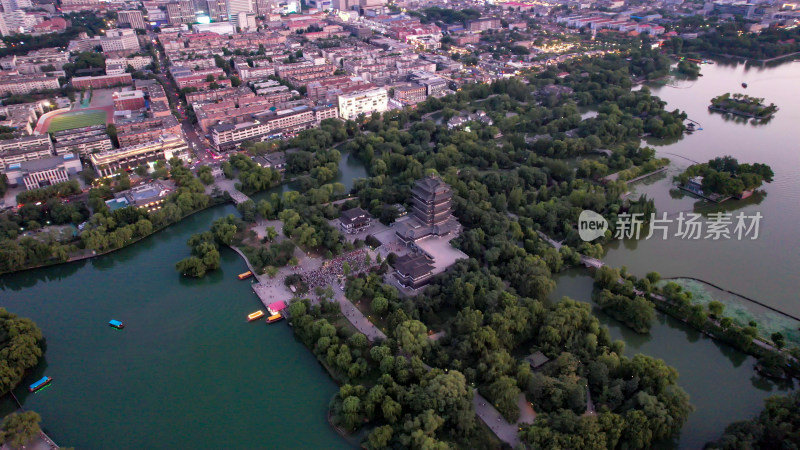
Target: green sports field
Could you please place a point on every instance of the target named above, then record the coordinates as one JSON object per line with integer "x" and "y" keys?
{"x": 76, "y": 119}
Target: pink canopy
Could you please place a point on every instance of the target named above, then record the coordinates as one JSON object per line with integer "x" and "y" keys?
{"x": 277, "y": 306}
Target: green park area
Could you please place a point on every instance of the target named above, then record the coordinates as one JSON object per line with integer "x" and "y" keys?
{"x": 76, "y": 119}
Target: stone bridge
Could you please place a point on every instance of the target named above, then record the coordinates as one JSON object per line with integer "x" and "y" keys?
{"x": 229, "y": 187}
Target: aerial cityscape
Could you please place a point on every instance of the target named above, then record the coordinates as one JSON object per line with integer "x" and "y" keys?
{"x": 428, "y": 224}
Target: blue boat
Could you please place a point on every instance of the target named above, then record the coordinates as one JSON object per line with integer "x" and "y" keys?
{"x": 40, "y": 384}
{"x": 116, "y": 324}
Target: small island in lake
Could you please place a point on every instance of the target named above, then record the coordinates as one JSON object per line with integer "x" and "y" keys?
{"x": 688, "y": 68}
{"x": 742, "y": 105}
{"x": 723, "y": 178}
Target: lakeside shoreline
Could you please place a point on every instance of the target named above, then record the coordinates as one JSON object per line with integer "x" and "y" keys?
{"x": 734, "y": 112}
{"x": 94, "y": 255}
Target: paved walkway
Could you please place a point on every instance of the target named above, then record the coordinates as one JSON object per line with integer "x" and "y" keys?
{"x": 507, "y": 432}
{"x": 589, "y": 404}
{"x": 356, "y": 317}
{"x": 526, "y": 413}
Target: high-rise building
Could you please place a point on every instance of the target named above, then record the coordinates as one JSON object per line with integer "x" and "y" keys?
{"x": 344, "y": 5}
{"x": 18, "y": 21}
{"x": 237, "y": 6}
{"x": 246, "y": 21}
{"x": 180, "y": 12}
{"x": 218, "y": 10}
{"x": 174, "y": 13}
{"x": 200, "y": 6}
{"x": 187, "y": 11}
{"x": 14, "y": 5}
{"x": 262, "y": 7}
{"x": 134, "y": 18}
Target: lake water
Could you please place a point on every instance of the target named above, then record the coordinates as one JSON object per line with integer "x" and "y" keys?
{"x": 765, "y": 268}
{"x": 187, "y": 371}
{"x": 721, "y": 382}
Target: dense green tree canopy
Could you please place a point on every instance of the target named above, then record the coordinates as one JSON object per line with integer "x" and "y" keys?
{"x": 20, "y": 348}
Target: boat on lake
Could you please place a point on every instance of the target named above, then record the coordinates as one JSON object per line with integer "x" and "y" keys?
{"x": 246, "y": 275}
{"x": 254, "y": 316}
{"x": 274, "y": 318}
{"x": 116, "y": 324}
{"x": 40, "y": 384}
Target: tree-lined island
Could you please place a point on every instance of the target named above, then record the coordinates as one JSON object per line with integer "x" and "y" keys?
{"x": 743, "y": 105}
{"x": 724, "y": 177}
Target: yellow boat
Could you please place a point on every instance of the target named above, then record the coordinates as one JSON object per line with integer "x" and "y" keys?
{"x": 274, "y": 318}
{"x": 256, "y": 315}
{"x": 246, "y": 275}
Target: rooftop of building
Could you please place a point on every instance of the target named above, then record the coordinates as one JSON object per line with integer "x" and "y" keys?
{"x": 354, "y": 215}
{"x": 431, "y": 187}
{"x": 413, "y": 265}
{"x": 126, "y": 95}
{"x": 38, "y": 165}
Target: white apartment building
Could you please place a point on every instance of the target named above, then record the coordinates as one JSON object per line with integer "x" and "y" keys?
{"x": 363, "y": 102}
{"x": 18, "y": 21}
{"x": 119, "y": 40}
{"x": 237, "y": 6}
{"x": 246, "y": 21}
{"x": 137, "y": 62}
{"x": 24, "y": 84}
{"x": 13, "y": 5}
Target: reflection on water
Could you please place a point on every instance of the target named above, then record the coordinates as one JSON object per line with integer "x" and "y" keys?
{"x": 764, "y": 269}
{"x": 721, "y": 381}
{"x": 186, "y": 372}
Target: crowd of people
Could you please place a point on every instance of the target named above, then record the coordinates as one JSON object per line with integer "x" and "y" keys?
{"x": 334, "y": 269}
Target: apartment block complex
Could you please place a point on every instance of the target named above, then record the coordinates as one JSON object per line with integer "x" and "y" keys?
{"x": 363, "y": 102}
{"x": 24, "y": 84}
{"x": 270, "y": 125}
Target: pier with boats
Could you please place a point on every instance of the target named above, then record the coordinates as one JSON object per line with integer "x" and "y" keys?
{"x": 264, "y": 288}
